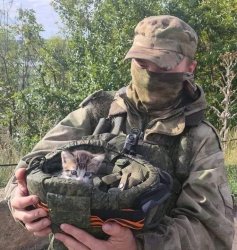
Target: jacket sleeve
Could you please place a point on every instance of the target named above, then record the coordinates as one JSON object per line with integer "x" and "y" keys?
{"x": 203, "y": 215}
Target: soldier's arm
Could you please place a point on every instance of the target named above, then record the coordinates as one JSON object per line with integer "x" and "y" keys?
{"x": 203, "y": 216}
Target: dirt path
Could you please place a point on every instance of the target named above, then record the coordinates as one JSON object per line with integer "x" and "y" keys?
{"x": 234, "y": 247}
{"x": 13, "y": 236}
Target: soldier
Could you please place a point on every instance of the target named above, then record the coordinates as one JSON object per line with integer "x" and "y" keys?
{"x": 164, "y": 102}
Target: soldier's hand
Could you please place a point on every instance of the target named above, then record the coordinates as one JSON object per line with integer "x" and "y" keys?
{"x": 34, "y": 219}
{"x": 120, "y": 238}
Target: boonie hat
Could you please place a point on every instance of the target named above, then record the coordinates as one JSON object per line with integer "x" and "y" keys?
{"x": 163, "y": 40}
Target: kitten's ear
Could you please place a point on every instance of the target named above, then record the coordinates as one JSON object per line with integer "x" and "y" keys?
{"x": 99, "y": 157}
{"x": 66, "y": 155}
{"x": 95, "y": 163}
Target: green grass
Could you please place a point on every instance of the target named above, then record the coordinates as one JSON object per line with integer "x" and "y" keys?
{"x": 5, "y": 174}
{"x": 8, "y": 155}
{"x": 232, "y": 177}
{"x": 231, "y": 162}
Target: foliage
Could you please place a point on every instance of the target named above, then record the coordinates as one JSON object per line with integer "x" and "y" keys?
{"x": 101, "y": 33}
{"x": 43, "y": 80}
{"x": 36, "y": 91}
{"x": 215, "y": 23}
{"x": 9, "y": 155}
{"x": 226, "y": 110}
{"x": 232, "y": 175}
{"x": 104, "y": 30}
{"x": 17, "y": 57}
{"x": 231, "y": 161}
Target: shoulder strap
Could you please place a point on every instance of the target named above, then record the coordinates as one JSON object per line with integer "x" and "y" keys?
{"x": 110, "y": 125}
{"x": 96, "y": 95}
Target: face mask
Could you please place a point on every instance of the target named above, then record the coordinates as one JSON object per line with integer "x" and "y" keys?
{"x": 155, "y": 91}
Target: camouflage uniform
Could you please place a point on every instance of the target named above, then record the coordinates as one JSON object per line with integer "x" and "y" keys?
{"x": 202, "y": 217}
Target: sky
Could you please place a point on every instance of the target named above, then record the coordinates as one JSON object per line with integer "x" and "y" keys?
{"x": 45, "y": 14}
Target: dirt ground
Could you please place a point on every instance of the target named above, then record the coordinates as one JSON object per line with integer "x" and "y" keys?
{"x": 235, "y": 239}
{"x": 13, "y": 236}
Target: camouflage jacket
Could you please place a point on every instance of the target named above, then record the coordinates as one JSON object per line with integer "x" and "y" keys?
{"x": 202, "y": 217}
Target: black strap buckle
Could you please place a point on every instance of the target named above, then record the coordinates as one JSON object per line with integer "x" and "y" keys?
{"x": 131, "y": 141}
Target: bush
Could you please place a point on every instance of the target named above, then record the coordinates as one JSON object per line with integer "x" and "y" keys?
{"x": 231, "y": 161}
{"x": 232, "y": 177}
{"x": 5, "y": 174}
{"x": 8, "y": 155}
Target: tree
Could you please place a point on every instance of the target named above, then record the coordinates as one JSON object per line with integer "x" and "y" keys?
{"x": 43, "y": 80}
{"x": 34, "y": 80}
{"x": 215, "y": 23}
{"x": 100, "y": 33}
{"x": 226, "y": 110}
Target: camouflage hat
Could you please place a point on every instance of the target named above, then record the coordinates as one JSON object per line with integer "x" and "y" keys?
{"x": 164, "y": 40}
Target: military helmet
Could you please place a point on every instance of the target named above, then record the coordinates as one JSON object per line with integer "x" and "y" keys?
{"x": 124, "y": 190}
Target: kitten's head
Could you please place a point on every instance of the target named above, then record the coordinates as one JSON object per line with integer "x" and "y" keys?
{"x": 69, "y": 164}
{"x": 76, "y": 164}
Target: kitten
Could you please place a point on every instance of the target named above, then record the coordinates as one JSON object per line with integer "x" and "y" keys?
{"x": 80, "y": 164}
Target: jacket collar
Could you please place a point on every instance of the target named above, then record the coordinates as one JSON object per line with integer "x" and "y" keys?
{"x": 171, "y": 123}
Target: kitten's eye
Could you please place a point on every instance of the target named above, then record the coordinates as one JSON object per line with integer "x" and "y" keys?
{"x": 74, "y": 172}
{"x": 68, "y": 171}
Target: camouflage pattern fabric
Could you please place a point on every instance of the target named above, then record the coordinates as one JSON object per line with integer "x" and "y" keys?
{"x": 74, "y": 202}
{"x": 42, "y": 175}
{"x": 163, "y": 40}
{"x": 202, "y": 217}
{"x": 151, "y": 92}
